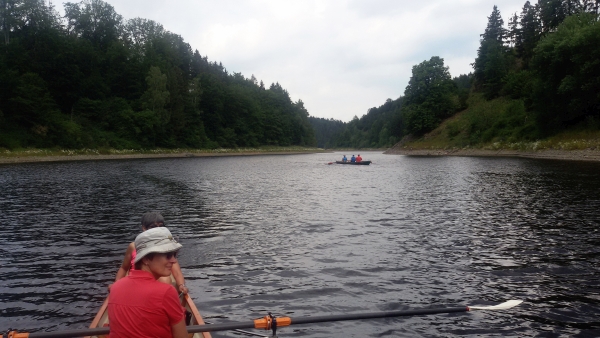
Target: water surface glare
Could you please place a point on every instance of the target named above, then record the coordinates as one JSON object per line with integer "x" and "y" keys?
{"x": 292, "y": 235}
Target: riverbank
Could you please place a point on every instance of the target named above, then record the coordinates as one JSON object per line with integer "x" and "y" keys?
{"x": 565, "y": 155}
{"x": 553, "y": 154}
{"x": 29, "y": 156}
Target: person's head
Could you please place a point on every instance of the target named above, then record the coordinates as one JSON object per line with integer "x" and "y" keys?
{"x": 358, "y": 154}
{"x": 152, "y": 220}
{"x": 156, "y": 251}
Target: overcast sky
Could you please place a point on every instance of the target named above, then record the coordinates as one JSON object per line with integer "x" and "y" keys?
{"x": 340, "y": 57}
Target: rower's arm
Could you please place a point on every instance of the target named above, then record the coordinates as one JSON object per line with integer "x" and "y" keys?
{"x": 178, "y": 275}
{"x": 179, "y": 330}
{"x": 126, "y": 265}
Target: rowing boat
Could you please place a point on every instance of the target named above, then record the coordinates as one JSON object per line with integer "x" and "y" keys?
{"x": 355, "y": 163}
{"x": 101, "y": 319}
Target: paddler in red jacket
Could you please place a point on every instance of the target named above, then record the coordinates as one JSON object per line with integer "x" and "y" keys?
{"x": 139, "y": 306}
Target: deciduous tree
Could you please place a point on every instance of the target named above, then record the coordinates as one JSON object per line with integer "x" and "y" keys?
{"x": 566, "y": 65}
{"x": 429, "y": 97}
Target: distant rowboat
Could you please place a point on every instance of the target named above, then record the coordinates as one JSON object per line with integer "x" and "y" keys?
{"x": 354, "y": 163}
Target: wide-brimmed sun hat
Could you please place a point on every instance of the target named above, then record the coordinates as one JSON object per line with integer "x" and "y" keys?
{"x": 157, "y": 240}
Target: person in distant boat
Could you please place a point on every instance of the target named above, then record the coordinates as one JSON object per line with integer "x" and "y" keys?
{"x": 358, "y": 158}
{"x": 150, "y": 220}
{"x": 344, "y": 159}
{"x": 139, "y": 305}
{"x": 352, "y": 159}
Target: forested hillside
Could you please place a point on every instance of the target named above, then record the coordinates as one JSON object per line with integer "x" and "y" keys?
{"x": 378, "y": 128}
{"x": 325, "y": 130}
{"x": 94, "y": 79}
{"x": 543, "y": 69}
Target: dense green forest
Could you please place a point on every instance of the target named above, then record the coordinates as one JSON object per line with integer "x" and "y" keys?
{"x": 543, "y": 68}
{"x": 324, "y": 129}
{"x": 92, "y": 79}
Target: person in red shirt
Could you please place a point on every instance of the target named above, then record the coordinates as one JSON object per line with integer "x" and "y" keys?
{"x": 150, "y": 220}
{"x": 141, "y": 306}
{"x": 358, "y": 158}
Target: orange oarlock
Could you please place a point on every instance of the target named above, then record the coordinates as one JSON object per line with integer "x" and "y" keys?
{"x": 284, "y": 321}
{"x": 264, "y": 323}
{"x": 271, "y": 323}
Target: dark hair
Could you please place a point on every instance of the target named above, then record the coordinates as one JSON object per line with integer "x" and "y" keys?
{"x": 152, "y": 219}
{"x": 150, "y": 256}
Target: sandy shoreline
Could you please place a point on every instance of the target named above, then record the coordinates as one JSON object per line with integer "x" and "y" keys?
{"x": 31, "y": 159}
{"x": 565, "y": 155}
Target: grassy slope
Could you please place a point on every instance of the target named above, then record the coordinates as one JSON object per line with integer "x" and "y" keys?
{"x": 504, "y": 124}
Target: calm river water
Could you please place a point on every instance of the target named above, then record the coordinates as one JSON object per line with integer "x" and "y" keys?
{"x": 297, "y": 237}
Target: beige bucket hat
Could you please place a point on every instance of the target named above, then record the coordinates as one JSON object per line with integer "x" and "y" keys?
{"x": 154, "y": 240}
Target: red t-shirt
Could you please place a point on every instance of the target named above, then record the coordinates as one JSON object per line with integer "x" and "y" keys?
{"x": 140, "y": 306}
{"x": 358, "y": 159}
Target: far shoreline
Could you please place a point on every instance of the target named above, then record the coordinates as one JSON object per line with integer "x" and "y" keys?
{"x": 590, "y": 155}
{"x": 88, "y": 157}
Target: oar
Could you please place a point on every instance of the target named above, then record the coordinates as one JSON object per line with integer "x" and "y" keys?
{"x": 263, "y": 323}
{"x": 266, "y": 323}
{"x": 246, "y": 332}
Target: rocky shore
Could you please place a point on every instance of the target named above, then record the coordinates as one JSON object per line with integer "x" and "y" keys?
{"x": 569, "y": 155}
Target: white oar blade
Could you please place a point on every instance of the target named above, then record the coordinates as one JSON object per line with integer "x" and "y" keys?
{"x": 503, "y": 306}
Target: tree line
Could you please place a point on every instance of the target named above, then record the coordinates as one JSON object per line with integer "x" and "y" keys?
{"x": 93, "y": 79}
{"x": 546, "y": 59}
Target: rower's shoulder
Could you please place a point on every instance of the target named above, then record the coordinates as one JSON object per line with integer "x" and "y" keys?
{"x": 131, "y": 247}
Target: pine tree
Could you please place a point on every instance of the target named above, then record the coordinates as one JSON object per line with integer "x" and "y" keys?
{"x": 530, "y": 32}
{"x": 490, "y": 64}
{"x": 494, "y": 29}
{"x": 551, "y": 14}
{"x": 513, "y": 32}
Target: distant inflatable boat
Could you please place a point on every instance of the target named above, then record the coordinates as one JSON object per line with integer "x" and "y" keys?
{"x": 354, "y": 163}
